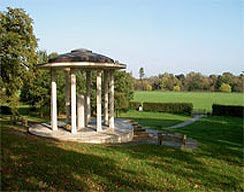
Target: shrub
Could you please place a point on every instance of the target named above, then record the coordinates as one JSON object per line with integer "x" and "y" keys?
{"x": 228, "y": 110}
{"x": 176, "y": 88}
{"x": 134, "y": 104}
{"x": 225, "y": 88}
{"x": 168, "y": 107}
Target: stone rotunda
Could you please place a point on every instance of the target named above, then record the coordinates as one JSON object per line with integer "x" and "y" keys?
{"x": 78, "y": 107}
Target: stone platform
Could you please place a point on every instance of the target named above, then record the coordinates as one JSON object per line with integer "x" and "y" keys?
{"x": 123, "y": 132}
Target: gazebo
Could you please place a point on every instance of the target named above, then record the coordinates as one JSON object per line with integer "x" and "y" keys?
{"x": 78, "y": 107}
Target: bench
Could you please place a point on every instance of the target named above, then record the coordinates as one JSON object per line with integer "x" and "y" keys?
{"x": 179, "y": 138}
{"x": 17, "y": 119}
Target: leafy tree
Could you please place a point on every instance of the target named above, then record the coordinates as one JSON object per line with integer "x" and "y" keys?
{"x": 121, "y": 102}
{"x": 148, "y": 87}
{"x": 37, "y": 92}
{"x": 196, "y": 81}
{"x": 124, "y": 83}
{"x": 168, "y": 81}
{"x": 176, "y": 88}
{"x": 226, "y": 78}
{"x": 225, "y": 88}
{"x": 181, "y": 78}
{"x": 213, "y": 82}
{"x": 17, "y": 54}
{"x": 239, "y": 85}
{"x": 141, "y": 73}
{"x": 154, "y": 81}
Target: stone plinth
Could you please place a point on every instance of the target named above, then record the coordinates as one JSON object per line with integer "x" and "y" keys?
{"x": 123, "y": 132}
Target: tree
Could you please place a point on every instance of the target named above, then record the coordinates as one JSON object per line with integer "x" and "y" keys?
{"x": 239, "y": 84}
{"x": 121, "y": 103}
{"x": 17, "y": 54}
{"x": 141, "y": 73}
{"x": 124, "y": 83}
{"x": 225, "y": 88}
{"x": 37, "y": 92}
{"x": 213, "y": 82}
{"x": 168, "y": 81}
{"x": 196, "y": 82}
{"x": 176, "y": 88}
{"x": 148, "y": 87}
{"x": 124, "y": 90}
{"x": 154, "y": 81}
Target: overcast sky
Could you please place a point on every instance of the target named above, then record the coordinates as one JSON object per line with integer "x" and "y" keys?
{"x": 176, "y": 36}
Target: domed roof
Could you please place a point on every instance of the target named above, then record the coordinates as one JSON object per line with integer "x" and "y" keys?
{"x": 79, "y": 55}
{"x": 82, "y": 58}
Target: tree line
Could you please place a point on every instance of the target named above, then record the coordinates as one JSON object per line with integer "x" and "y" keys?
{"x": 193, "y": 81}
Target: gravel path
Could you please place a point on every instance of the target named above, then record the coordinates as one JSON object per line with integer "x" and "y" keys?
{"x": 196, "y": 118}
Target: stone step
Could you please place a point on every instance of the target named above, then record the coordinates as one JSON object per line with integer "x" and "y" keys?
{"x": 139, "y": 130}
{"x": 141, "y": 135}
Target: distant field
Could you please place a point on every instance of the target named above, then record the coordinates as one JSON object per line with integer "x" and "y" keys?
{"x": 200, "y": 100}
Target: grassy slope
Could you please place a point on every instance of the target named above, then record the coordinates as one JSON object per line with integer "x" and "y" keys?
{"x": 200, "y": 100}
{"x": 31, "y": 163}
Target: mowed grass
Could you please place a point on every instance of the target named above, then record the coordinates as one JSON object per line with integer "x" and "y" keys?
{"x": 155, "y": 120}
{"x": 200, "y": 100}
{"x": 29, "y": 163}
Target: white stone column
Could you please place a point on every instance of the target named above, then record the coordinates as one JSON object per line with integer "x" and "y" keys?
{"x": 105, "y": 97}
{"x": 99, "y": 99}
{"x": 88, "y": 98}
{"x": 67, "y": 94}
{"x": 73, "y": 101}
{"x": 54, "y": 121}
{"x": 111, "y": 99}
{"x": 81, "y": 111}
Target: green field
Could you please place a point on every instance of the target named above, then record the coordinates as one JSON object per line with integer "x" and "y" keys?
{"x": 29, "y": 163}
{"x": 200, "y": 100}
{"x": 155, "y": 120}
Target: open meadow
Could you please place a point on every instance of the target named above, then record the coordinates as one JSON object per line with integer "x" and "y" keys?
{"x": 200, "y": 100}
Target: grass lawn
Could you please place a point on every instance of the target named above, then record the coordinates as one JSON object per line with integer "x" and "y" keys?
{"x": 200, "y": 100}
{"x": 32, "y": 164}
{"x": 155, "y": 120}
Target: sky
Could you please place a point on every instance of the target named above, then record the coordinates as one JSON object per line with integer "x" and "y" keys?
{"x": 175, "y": 36}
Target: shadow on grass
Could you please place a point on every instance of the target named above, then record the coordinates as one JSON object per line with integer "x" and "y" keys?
{"x": 30, "y": 163}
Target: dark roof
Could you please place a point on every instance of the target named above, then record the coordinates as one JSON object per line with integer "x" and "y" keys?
{"x": 81, "y": 55}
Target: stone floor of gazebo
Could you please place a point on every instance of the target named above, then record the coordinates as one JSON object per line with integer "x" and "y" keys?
{"x": 123, "y": 132}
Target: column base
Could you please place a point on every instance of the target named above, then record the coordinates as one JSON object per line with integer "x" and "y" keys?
{"x": 73, "y": 131}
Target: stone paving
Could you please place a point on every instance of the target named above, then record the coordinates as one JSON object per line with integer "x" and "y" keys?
{"x": 169, "y": 141}
{"x": 183, "y": 124}
{"x": 123, "y": 132}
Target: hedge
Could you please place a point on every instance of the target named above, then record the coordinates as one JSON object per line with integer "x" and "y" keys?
{"x": 134, "y": 104}
{"x": 228, "y": 110}
{"x": 168, "y": 107}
